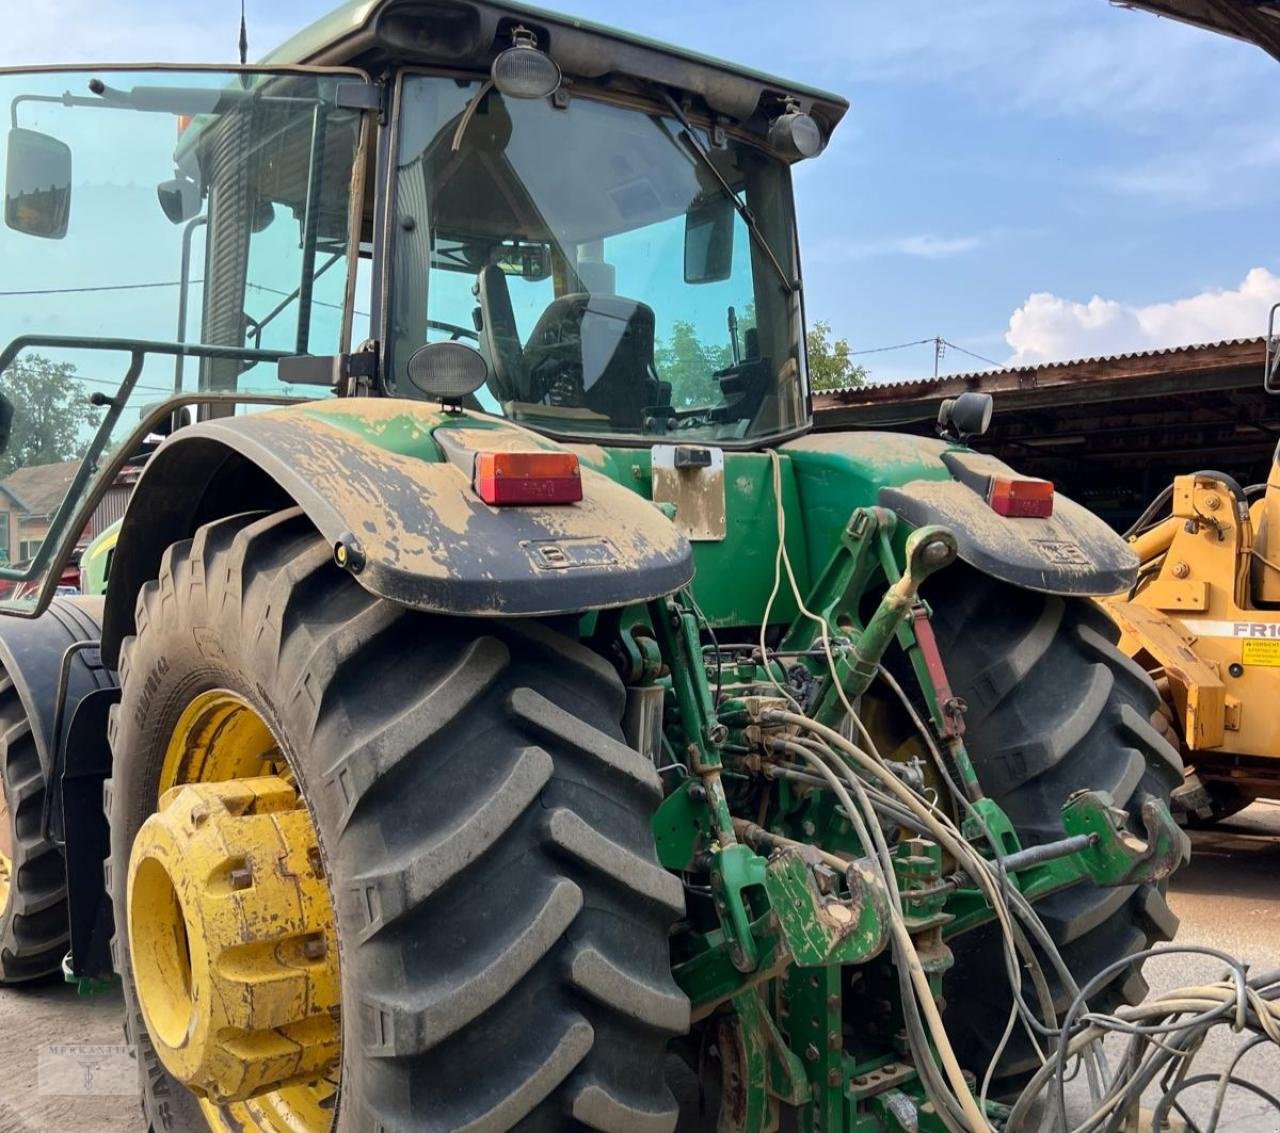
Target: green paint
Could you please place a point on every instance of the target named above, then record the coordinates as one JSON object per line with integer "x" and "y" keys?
{"x": 681, "y": 826}
{"x": 406, "y": 434}
{"x": 95, "y": 562}
{"x": 1116, "y": 856}
{"x": 814, "y": 937}
{"x": 733, "y": 577}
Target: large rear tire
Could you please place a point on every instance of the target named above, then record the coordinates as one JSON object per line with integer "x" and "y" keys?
{"x": 501, "y": 916}
{"x": 1053, "y": 707}
{"x": 33, "y": 905}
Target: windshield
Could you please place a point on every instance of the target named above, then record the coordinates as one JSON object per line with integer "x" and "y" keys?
{"x": 598, "y": 264}
{"x": 170, "y": 207}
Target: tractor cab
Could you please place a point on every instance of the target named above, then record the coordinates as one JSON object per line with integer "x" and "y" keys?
{"x": 626, "y": 274}
{"x": 608, "y": 222}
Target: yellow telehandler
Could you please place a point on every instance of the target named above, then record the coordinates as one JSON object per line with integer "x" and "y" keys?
{"x": 1204, "y": 620}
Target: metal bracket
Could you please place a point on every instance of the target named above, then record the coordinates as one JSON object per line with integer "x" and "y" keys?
{"x": 332, "y": 370}
{"x": 360, "y": 96}
{"x": 759, "y": 1069}
{"x": 692, "y": 478}
{"x": 1116, "y": 855}
{"x": 823, "y": 929}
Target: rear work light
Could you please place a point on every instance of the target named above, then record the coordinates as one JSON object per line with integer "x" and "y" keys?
{"x": 506, "y": 478}
{"x": 1021, "y": 498}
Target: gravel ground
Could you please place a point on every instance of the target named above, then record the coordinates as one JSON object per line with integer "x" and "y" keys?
{"x": 1228, "y": 897}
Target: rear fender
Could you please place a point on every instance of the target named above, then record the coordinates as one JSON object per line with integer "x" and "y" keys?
{"x": 74, "y": 756}
{"x": 370, "y": 475}
{"x": 32, "y": 651}
{"x": 926, "y": 481}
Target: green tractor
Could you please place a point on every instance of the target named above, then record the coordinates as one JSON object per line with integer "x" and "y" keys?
{"x": 503, "y": 704}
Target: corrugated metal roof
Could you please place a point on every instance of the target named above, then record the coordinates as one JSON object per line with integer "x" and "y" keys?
{"x": 1226, "y": 352}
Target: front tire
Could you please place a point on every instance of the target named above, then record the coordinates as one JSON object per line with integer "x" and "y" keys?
{"x": 502, "y": 920}
{"x": 1053, "y": 707}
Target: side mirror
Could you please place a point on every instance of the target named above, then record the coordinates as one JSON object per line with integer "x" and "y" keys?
{"x": 180, "y": 199}
{"x": 708, "y": 240}
{"x": 37, "y": 184}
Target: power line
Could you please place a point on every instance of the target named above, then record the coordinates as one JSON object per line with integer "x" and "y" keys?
{"x": 938, "y": 342}
{"x": 979, "y": 357}
{"x": 898, "y": 346}
{"x": 83, "y": 290}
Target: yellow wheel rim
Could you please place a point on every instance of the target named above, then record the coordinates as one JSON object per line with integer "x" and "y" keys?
{"x": 231, "y": 928}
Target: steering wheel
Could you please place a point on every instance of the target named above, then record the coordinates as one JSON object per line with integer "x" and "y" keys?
{"x": 454, "y": 330}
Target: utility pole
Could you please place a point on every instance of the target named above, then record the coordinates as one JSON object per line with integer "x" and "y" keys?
{"x": 939, "y": 348}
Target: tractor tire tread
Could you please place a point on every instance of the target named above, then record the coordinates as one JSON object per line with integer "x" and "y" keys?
{"x": 34, "y": 929}
{"x": 486, "y": 833}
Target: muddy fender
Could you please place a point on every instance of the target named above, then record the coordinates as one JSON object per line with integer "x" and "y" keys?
{"x": 1073, "y": 552}
{"x": 924, "y": 480}
{"x": 371, "y": 475}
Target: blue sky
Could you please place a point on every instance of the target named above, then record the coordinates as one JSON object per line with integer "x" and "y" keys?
{"x": 1031, "y": 179}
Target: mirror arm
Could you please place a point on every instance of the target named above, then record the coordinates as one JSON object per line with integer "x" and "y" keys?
{"x": 791, "y": 286}
{"x": 66, "y": 99}
{"x": 184, "y": 295}
{"x": 130, "y": 345}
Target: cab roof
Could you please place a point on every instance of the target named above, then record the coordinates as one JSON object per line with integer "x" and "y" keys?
{"x": 468, "y": 33}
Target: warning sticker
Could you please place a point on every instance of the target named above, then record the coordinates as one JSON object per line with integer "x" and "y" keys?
{"x": 1261, "y": 653}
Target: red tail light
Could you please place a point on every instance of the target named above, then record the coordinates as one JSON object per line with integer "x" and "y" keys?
{"x": 504, "y": 478}
{"x": 1021, "y": 498}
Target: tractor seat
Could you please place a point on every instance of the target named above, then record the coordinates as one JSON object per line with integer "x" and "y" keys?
{"x": 596, "y": 351}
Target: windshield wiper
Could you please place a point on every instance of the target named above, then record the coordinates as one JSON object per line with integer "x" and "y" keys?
{"x": 690, "y": 136}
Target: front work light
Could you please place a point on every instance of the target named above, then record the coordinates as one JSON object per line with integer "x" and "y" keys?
{"x": 523, "y": 71}
{"x": 795, "y": 134}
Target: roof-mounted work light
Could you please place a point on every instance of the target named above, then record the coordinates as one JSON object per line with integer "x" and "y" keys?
{"x": 524, "y": 71}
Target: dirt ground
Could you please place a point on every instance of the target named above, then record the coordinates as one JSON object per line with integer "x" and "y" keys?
{"x": 1229, "y": 898}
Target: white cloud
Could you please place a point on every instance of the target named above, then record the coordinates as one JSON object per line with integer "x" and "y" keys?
{"x": 923, "y": 245}
{"x": 1048, "y": 328}
{"x": 1233, "y": 166}
{"x": 932, "y": 247}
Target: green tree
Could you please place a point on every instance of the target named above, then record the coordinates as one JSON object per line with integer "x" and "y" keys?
{"x": 689, "y": 364}
{"x": 831, "y": 364}
{"x": 50, "y": 410}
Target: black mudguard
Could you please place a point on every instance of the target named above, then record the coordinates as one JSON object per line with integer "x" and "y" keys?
{"x": 1073, "y": 552}
{"x": 369, "y": 473}
{"x": 85, "y": 768}
{"x": 32, "y": 655}
{"x": 923, "y": 480}
{"x": 58, "y": 653}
